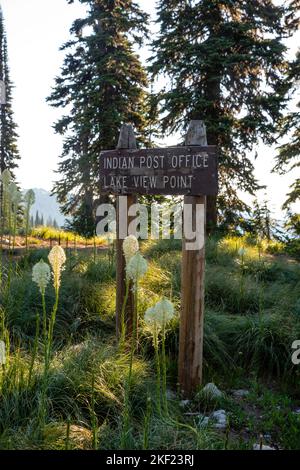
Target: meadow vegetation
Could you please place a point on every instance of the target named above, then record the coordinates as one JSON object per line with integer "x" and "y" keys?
{"x": 252, "y": 318}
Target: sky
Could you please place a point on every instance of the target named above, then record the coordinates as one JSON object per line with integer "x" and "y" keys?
{"x": 35, "y": 30}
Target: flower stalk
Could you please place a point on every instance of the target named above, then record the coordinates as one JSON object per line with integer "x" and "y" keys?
{"x": 41, "y": 275}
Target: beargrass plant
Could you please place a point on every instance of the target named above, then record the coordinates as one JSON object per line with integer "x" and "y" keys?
{"x": 15, "y": 201}
{"x": 29, "y": 200}
{"x": 157, "y": 318}
{"x": 136, "y": 268}
{"x": 41, "y": 276}
{"x": 130, "y": 248}
{"x": 10, "y": 204}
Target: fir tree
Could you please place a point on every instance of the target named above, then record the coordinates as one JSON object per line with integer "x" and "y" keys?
{"x": 37, "y": 220}
{"x": 225, "y": 60}
{"x": 102, "y": 85}
{"x": 292, "y": 224}
{"x": 288, "y": 157}
{"x": 262, "y": 222}
{"x": 9, "y": 154}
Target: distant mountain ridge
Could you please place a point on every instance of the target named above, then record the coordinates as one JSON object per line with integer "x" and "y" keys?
{"x": 47, "y": 206}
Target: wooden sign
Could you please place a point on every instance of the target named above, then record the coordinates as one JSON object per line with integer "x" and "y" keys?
{"x": 174, "y": 170}
{"x": 190, "y": 170}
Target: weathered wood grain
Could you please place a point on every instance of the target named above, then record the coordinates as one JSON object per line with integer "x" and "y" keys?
{"x": 192, "y": 293}
{"x": 126, "y": 141}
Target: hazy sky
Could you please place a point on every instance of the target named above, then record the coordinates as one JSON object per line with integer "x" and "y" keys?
{"x": 35, "y": 30}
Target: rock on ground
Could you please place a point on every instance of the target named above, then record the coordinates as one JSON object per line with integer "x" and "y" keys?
{"x": 263, "y": 447}
{"x": 211, "y": 391}
{"x": 218, "y": 419}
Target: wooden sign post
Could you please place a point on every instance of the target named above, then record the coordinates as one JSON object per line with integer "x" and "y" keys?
{"x": 192, "y": 291}
{"x": 190, "y": 170}
{"x": 126, "y": 141}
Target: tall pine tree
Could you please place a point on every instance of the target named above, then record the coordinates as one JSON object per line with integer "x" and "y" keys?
{"x": 288, "y": 157}
{"x": 225, "y": 60}
{"x": 102, "y": 85}
{"x": 9, "y": 154}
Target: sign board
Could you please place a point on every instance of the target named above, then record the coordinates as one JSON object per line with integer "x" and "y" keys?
{"x": 174, "y": 170}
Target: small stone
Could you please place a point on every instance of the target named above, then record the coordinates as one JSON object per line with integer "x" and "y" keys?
{"x": 263, "y": 447}
{"x": 240, "y": 393}
{"x": 211, "y": 391}
{"x": 220, "y": 419}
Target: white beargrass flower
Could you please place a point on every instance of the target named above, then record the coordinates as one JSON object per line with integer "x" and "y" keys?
{"x": 241, "y": 252}
{"x": 137, "y": 267}
{"x": 41, "y": 275}
{"x": 57, "y": 259}
{"x": 150, "y": 317}
{"x": 164, "y": 312}
{"x": 130, "y": 247}
{"x": 160, "y": 314}
{"x": 2, "y": 353}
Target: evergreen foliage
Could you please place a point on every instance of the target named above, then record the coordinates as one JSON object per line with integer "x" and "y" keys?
{"x": 9, "y": 154}
{"x": 225, "y": 61}
{"x": 288, "y": 157}
{"x": 102, "y": 85}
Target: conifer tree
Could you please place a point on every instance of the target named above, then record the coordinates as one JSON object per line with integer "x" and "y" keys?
{"x": 262, "y": 222}
{"x": 9, "y": 154}
{"x": 102, "y": 85}
{"x": 225, "y": 61}
{"x": 288, "y": 157}
{"x": 37, "y": 220}
{"x": 292, "y": 225}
